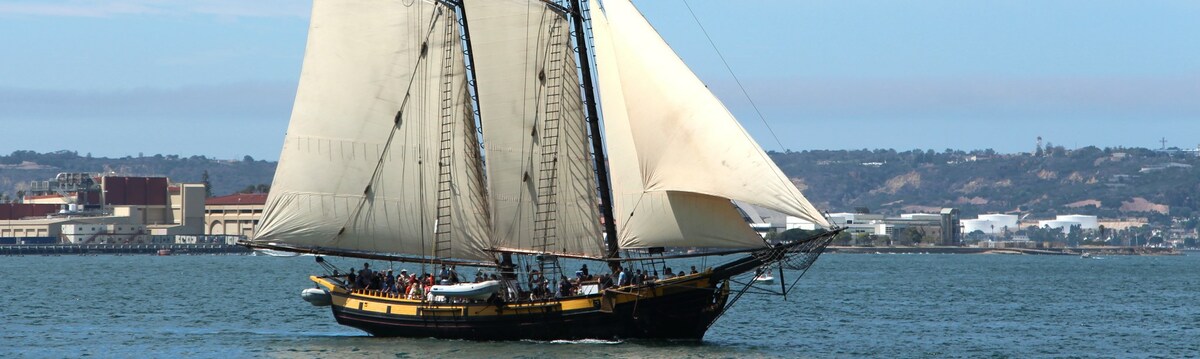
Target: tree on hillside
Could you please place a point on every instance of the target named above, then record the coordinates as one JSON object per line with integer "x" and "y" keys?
{"x": 259, "y": 188}
{"x": 207, "y": 184}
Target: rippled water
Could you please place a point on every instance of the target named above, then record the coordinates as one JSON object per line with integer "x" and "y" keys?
{"x": 846, "y": 306}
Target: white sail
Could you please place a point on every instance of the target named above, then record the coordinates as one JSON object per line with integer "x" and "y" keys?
{"x": 540, "y": 173}
{"x": 350, "y": 177}
{"x": 674, "y": 147}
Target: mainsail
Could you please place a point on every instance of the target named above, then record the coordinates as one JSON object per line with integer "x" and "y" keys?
{"x": 381, "y": 153}
{"x": 677, "y": 155}
{"x": 540, "y": 172}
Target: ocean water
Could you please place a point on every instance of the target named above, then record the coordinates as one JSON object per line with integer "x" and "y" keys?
{"x": 891, "y": 306}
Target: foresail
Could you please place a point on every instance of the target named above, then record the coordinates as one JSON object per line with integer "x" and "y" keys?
{"x": 540, "y": 175}
{"x": 667, "y": 134}
{"x": 382, "y": 106}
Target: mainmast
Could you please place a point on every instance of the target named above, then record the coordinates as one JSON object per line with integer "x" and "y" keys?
{"x": 606, "y": 207}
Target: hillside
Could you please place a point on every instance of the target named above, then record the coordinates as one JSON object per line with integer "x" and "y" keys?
{"x": 1111, "y": 182}
{"x": 1107, "y": 182}
{"x": 225, "y": 176}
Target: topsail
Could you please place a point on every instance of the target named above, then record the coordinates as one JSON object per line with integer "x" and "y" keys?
{"x": 540, "y": 173}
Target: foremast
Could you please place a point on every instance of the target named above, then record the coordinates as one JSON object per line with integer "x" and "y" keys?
{"x": 605, "y": 189}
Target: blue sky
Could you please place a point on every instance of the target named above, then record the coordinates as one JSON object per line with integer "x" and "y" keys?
{"x": 217, "y": 77}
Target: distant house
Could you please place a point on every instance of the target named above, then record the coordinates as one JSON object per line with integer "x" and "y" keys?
{"x": 1160, "y": 167}
{"x": 234, "y": 215}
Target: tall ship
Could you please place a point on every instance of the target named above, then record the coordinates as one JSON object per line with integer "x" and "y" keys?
{"x": 465, "y": 136}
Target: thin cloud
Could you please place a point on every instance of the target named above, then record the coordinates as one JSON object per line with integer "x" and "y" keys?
{"x": 117, "y": 8}
{"x": 246, "y": 100}
{"x": 948, "y": 97}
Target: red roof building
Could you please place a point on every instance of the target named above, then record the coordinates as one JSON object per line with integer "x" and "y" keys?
{"x": 234, "y": 215}
{"x": 238, "y": 199}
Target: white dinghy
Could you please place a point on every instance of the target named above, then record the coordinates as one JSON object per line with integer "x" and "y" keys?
{"x": 764, "y": 278}
{"x": 481, "y": 290}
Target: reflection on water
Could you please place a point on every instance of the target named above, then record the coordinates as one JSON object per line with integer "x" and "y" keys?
{"x": 847, "y": 305}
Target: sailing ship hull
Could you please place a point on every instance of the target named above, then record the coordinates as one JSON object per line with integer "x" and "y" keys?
{"x": 683, "y": 308}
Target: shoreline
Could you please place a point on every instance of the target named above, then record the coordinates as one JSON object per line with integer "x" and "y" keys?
{"x": 119, "y": 249}
{"x": 1069, "y": 251}
{"x": 202, "y": 249}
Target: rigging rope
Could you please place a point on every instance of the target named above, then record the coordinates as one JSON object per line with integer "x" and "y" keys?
{"x": 735, "y": 78}
{"x": 368, "y": 189}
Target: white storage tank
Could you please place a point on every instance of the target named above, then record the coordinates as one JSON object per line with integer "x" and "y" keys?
{"x": 1002, "y": 220}
{"x": 982, "y": 225}
{"x": 1087, "y": 222}
{"x": 1065, "y": 226}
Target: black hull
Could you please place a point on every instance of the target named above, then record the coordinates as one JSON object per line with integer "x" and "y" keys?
{"x": 684, "y": 315}
{"x": 675, "y": 308}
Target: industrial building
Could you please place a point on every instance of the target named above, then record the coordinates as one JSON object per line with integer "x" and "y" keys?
{"x": 1001, "y": 224}
{"x": 234, "y": 215}
{"x": 939, "y": 226}
{"x": 83, "y": 208}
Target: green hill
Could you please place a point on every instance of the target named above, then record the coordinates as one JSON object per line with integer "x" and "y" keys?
{"x": 1110, "y": 182}
{"x": 225, "y": 176}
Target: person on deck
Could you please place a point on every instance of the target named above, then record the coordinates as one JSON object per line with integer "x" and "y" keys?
{"x": 417, "y": 290}
{"x": 364, "y": 276}
{"x": 401, "y": 283}
{"x": 694, "y": 270}
{"x": 351, "y": 279}
{"x": 622, "y": 278}
{"x": 535, "y": 281}
{"x": 390, "y": 282}
{"x": 564, "y": 287}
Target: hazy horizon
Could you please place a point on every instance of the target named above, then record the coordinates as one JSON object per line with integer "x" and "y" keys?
{"x": 240, "y": 157}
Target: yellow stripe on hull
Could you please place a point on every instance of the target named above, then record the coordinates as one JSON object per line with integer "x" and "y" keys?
{"x": 378, "y": 302}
